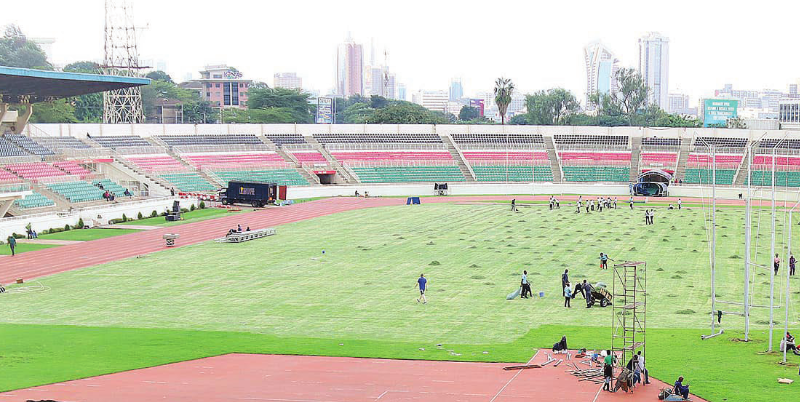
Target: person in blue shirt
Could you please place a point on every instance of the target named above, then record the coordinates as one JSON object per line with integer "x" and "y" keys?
{"x": 423, "y": 285}
{"x": 681, "y": 389}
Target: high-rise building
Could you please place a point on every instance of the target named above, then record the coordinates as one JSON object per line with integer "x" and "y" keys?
{"x": 401, "y": 92}
{"x": 456, "y": 89}
{"x": 349, "y": 68}
{"x": 433, "y": 100}
{"x": 601, "y": 70}
{"x": 224, "y": 87}
{"x": 287, "y": 80}
{"x": 378, "y": 81}
{"x": 654, "y": 67}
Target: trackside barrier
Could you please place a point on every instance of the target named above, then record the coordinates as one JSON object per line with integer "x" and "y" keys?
{"x": 412, "y": 200}
{"x": 245, "y": 236}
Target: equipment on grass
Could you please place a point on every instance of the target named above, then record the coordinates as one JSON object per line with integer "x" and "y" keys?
{"x": 170, "y": 238}
{"x": 599, "y": 294}
{"x": 412, "y": 200}
{"x": 515, "y": 367}
{"x": 514, "y": 294}
{"x": 256, "y": 194}
{"x": 238, "y": 237}
{"x": 175, "y": 214}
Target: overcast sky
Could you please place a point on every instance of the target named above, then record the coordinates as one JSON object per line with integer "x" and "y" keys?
{"x": 539, "y": 45}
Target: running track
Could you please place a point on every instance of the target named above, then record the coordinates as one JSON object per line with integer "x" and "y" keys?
{"x": 45, "y": 262}
{"x": 253, "y": 377}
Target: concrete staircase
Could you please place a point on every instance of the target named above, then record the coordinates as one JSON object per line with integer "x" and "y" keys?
{"x": 61, "y": 203}
{"x": 342, "y": 172}
{"x": 683, "y": 156}
{"x": 458, "y": 156}
{"x": 288, "y": 157}
{"x": 636, "y": 151}
{"x": 741, "y": 172}
{"x": 555, "y": 166}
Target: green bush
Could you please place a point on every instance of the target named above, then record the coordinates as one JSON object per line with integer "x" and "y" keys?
{"x": 140, "y": 216}
{"x": 183, "y": 210}
{"x": 18, "y": 236}
{"x": 191, "y": 208}
{"x": 67, "y": 227}
{"x": 202, "y": 205}
{"x": 80, "y": 223}
{"x": 154, "y": 214}
{"x": 124, "y": 218}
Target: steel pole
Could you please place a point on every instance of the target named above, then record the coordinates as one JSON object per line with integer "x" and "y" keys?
{"x": 747, "y": 231}
{"x": 772, "y": 256}
{"x": 713, "y": 236}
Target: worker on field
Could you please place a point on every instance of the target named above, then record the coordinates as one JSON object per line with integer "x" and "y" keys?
{"x": 12, "y": 243}
{"x": 776, "y": 263}
{"x": 679, "y": 203}
{"x": 423, "y": 285}
{"x": 526, "y": 285}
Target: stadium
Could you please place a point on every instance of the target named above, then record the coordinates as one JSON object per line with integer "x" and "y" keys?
{"x": 327, "y": 306}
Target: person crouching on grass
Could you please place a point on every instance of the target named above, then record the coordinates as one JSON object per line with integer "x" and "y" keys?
{"x": 423, "y": 285}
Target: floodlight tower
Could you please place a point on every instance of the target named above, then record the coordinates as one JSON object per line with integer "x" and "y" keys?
{"x": 121, "y": 58}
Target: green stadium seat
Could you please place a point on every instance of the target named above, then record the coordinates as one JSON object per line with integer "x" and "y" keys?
{"x": 705, "y": 176}
{"x": 289, "y": 177}
{"x": 405, "y": 174}
{"x": 782, "y": 178}
{"x": 189, "y": 182}
{"x": 77, "y": 192}
{"x": 595, "y": 173}
{"x": 501, "y": 173}
{"x": 34, "y": 200}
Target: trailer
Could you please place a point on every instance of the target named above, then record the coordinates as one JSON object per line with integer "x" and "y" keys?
{"x": 256, "y": 194}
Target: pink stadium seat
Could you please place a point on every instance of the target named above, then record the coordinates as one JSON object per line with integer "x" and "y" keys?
{"x": 35, "y": 170}
{"x": 157, "y": 163}
{"x": 501, "y": 156}
{"x": 256, "y": 159}
{"x": 72, "y": 168}
{"x": 599, "y": 156}
{"x": 388, "y": 156}
{"x": 660, "y": 158}
{"x": 779, "y": 161}
{"x": 726, "y": 161}
{"x": 309, "y": 156}
{"x": 8, "y": 177}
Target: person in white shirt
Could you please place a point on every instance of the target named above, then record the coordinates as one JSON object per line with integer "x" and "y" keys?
{"x": 642, "y": 369}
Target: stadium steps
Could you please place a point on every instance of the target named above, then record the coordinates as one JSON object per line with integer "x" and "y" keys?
{"x": 345, "y": 174}
{"x": 466, "y": 169}
{"x": 155, "y": 185}
{"x": 189, "y": 166}
{"x": 741, "y": 173}
{"x": 636, "y": 151}
{"x": 288, "y": 157}
{"x": 683, "y": 156}
{"x": 555, "y": 166}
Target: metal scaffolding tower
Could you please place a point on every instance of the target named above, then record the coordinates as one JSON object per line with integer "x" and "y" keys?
{"x": 122, "y": 59}
{"x": 629, "y": 309}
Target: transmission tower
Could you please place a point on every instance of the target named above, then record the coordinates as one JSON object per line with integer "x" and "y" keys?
{"x": 122, "y": 59}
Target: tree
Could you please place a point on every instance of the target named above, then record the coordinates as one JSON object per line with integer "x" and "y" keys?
{"x": 358, "y": 113}
{"x": 551, "y": 107}
{"x": 406, "y": 113}
{"x": 377, "y": 102}
{"x": 60, "y": 111}
{"x": 293, "y": 101}
{"x": 88, "y": 107}
{"x": 518, "y": 120}
{"x": 736, "y": 123}
{"x": 628, "y": 101}
{"x": 159, "y": 75}
{"x": 468, "y": 113}
{"x": 17, "y": 51}
{"x": 503, "y": 90}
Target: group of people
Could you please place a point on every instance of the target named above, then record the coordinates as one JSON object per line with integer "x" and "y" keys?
{"x": 584, "y": 289}
{"x": 32, "y": 234}
{"x": 788, "y": 344}
{"x": 776, "y": 264}
{"x": 110, "y": 196}
{"x": 635, "y": 372}
{"x": 597, "y": 204}
{"x": 649, "y": 216}
{"x": 238, "y": 230}
{"x": 554, "y": 203}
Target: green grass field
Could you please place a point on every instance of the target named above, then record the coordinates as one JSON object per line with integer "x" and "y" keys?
{"x": 191, "y": 216}
{"x": 283, "y": 295}
{"x": 87, "y": 234}
{"x": 22, "y": 248}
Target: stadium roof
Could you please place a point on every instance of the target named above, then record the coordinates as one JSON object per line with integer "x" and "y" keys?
{"x": 28, "y": 85}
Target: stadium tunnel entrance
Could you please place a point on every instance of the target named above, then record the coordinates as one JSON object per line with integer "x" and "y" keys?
{"x": 652, "y": 183}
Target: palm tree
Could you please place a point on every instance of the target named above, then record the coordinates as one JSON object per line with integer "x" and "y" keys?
{"x": 503, "y": 89}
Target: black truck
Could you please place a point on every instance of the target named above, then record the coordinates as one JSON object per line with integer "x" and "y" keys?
{"x": 256, "y": 194}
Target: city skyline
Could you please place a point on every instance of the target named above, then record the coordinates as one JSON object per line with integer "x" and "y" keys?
{"x": 699, "y": 60}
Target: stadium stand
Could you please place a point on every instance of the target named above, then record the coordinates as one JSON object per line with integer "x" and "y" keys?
{"x": 111, "y": 186}
{"x": 209, "y": 139}
{"x": 233, "y": 159}
{"x": 72, "y": 168}
{"x": 658, "y": 160}
{"x": 660, "y": 142}
{"x": 721, "y": 142}
{"x": 286, "y": 138}
{"x": 61, "y": 143}
{"x": 280, "y": 176}
{"x": 417, "y": 138}
{"x": 575, "y": 141}
{"x": 581, "y": 166}
{"x": 76, "y": 191}
{"x": 34, "y": 171}
{"x": 510, "y": 166}
{"x": 8, "y": 177}
{"x": 388, "y": 157}
{"x": 188, "y": 182}
{"x": 33, "y": 200}
{"x": 699, "y": 168}
{"x": 28, "y": 144}
{"x": 308, "y": 157}
{"x": 156, "y": 163}
{"x": 9, "y": 149}
{"x": 513, "y": 140}
{"x": 420, "y": 173}
{"x": 121, "y": 141}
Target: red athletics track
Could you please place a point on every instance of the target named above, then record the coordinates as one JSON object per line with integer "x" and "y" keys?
{"x": 252, "y": 377}
{"x": 69, "y": 257}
